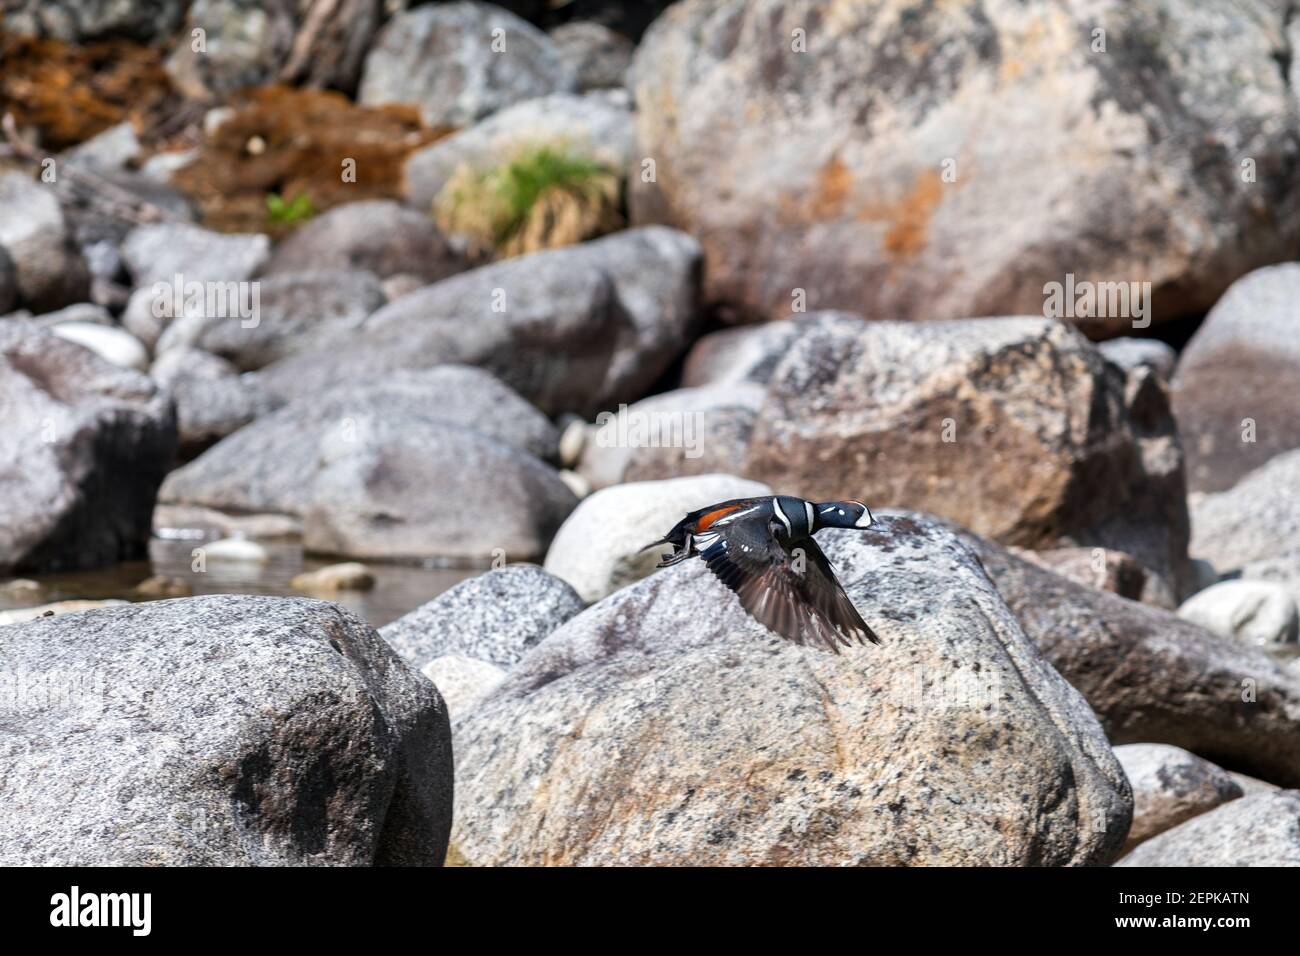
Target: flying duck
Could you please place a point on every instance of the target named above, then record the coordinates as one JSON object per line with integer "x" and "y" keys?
{"x": 763, "y": 549}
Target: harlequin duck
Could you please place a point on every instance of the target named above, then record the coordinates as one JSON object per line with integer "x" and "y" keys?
{"x": 763, "y": 549}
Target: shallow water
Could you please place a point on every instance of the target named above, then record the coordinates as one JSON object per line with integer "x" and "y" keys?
{"x": 398, "y": 588}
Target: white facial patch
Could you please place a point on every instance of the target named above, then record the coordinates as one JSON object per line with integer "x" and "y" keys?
{"x": 776, "y": 506}
{"x": 866, "y": 520}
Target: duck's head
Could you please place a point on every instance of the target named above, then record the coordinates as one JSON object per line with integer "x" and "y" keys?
{"x": 842, "y": 514}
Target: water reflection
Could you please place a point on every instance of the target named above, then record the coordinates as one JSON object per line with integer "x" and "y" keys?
{"x": 398, "y": 588}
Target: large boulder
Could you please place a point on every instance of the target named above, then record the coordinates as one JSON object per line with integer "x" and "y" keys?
{"x": 459, "y": 62}
{"x": 1262, "y": 829}
{"x": 595, "y": 126}
{"x": 1170, "y": 786}
{"x": 85, "y": 445}
{"x": 665, "y": 726}
{"x": 220, "y": 731}
{"x": 159, "y": 252}
{"x": 439, "y": 464}
{"x": 950, "y": 160}
{"x": 1152, "y": 677}
{"x": 1236, "y": 390}
{"x": 378, "y": 236}
{"x": 295, "y": 311}
{"x": 600, "y": 547}
{"x": 48, "y": 271}
{"x": 1015, "y": 427}
{"x": 427, "y": 490}
{"x": 245, "y": 42}
{"x": 572, "y": 329}
{"x": 495, "y": 617}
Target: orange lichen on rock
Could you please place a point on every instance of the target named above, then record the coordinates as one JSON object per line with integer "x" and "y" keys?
{"x": 910, "y": 218}
{"x": 834, "y": 183}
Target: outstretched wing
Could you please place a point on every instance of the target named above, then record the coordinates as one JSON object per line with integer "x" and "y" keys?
{"x": 793, "y": 594}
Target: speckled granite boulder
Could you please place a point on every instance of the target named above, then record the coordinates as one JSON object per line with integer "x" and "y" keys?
{"x": 1152, "y": 677}
{"x": 665, "y": 726}
{"x": 1262, "y": 829}
{"x": 495, "y": 617}
{"x": 220, "y": 731}
{"x": 459, "y": 62}
{"x": 1170, "y": 785}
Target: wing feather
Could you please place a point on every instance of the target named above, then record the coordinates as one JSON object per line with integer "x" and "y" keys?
{"x": 805, "y": 606}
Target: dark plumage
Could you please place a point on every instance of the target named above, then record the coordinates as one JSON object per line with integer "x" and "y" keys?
{"x": 763, "y": 549}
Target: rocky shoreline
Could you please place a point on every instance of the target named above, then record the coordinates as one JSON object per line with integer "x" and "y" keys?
{"x": 368, "y": 464}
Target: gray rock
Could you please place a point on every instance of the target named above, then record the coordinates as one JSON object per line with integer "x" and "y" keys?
{"x": 430, "y": 491}
{"x": 378, "y": 236}
{"x": 746, "y": 354}
{"x": 1236, "y": 393}
{"x": 372, "y": 470}
{"x": 1014, "y": 427}
{"x": 158, "y": 253}
{"x": 295, "y": 312}
{"x": 593, "y": 125}
{"x": 1255, "y": 521}
{"x": 687, "y": 431}
{"x": 115, "y": 148}
{"x": 459, "y": 62}
{"x": 462, "y": 681}
{"x": 865, "y": 171}
{"x": 1170, "y": 786}
{"x": 220, "y": 731}
{"x": 496, "y": 617}
{"x": 1152, "y": 677}
{"x": 212, "y": 400}
{"x": 270, "y": 466}
{"x": 76, "y": 21}
{"x": 1262, "y": 613}
{"x": 86, "y": 444}
{"x": 572, "y": 329}
{"x": 598, "y": 549}
{"x": 246, "y": 43}
{"x": 1262, "y": 829}
{"x": 1132, "y": 353}
{"x": 663, "y": 725}
{"x": 50, "y": 273}
{"x": 598, "y": 56}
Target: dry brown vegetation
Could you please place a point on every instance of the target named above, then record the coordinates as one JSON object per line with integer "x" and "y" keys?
{"x": 286, "y": 142}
